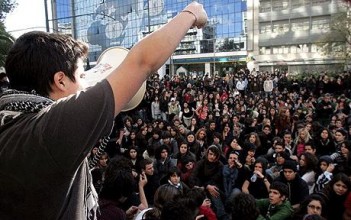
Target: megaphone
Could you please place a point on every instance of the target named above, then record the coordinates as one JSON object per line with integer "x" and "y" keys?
{"x": 109, "y": 60}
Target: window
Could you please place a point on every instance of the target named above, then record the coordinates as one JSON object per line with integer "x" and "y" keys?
{"x": 280, "y": 27}
{"x": 279, "y": 5}
{"x": 318, "y": 2}
{"x": 300, "y": 25}
{"x": 299, "y": 3}
{"x": 265, "y": 28}
{"x": 265, "y": 6}
{"x": 321, "y": 24}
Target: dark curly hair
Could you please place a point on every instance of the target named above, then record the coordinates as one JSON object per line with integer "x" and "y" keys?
{"x": 243, "y": 206}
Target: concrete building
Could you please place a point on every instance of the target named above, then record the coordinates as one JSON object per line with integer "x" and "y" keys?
{"x": 288, "y": 33}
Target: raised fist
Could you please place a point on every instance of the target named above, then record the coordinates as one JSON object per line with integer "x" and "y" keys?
{"x": 198, "y": 11}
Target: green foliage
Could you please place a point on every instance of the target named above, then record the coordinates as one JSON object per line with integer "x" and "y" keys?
{"x": 6, "y": 41}
{"x": 6, "y": 6}
{"x": 337, "y": 42}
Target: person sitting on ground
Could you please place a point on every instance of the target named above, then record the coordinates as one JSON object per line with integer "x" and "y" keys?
{"x": 243, "y": 206}
{"x": 117, "y": 187}
{"x": 298, "y": 187}
{"x": 277, "y": 206}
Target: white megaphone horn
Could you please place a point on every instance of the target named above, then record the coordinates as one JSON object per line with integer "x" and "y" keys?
{"x": 109, "y": 60}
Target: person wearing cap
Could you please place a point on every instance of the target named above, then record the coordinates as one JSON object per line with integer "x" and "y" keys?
{"x": 298, "y": 188}
{"x": 325, "y": 173}
{"x": 49, "y": 114}
{"x": 276, "y": 168}
{"x": 277, "y": 206}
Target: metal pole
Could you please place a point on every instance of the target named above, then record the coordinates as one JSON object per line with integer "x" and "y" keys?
{"x": 46, "y": 16}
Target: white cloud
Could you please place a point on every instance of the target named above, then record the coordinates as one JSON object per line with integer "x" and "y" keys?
{"x": 29, "y": 15}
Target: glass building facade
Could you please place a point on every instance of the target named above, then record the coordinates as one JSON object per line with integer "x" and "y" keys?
{"x": 107, "y": 23}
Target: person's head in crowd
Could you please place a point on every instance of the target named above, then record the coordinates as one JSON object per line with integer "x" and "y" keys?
{"x": 174, "y": 131}
{"x": 163, "y": 194}
{"x": 211, "y": 125}
{"x": 287, "y": 138}
{"x": 281, "y": 157}
{"x": 279, "y": 147}
{"x": 237, "y": 129}
{"x": 261, "y": 165}
{"x": 128, "y": 121}
{"x": 324, "y": 162}
{"x": 339, "y": 185}
{"x": 278, "y": 193}
{"x": 119, "y": 182}
{"x": 308, "y": 162}
{"x": 183, "y": 148}
{"x": 193, "y": 121}
{"x": 217, "y": 138}
{"x": 103, "y": 160}
{"x": 156, "y": 133}
{"x": 313, "y": 217}
{"x": 266, "y": 129}
{"x": 152, "y": 214}
{"x": 132, "y": 153}
{"x": 327, "y": 97}
{"x": 173, "y": 176}
{"x": 254, "y": 139}
{"x": 345, "y": 149}
{"x": 189, "y": 162}
{"x": 314, "y": 204}
{"x": 340, "y": 135}
{"x": 198, "y": 195}
{"x": 303, "y": 135}
{"x": 243, "y": 206}
{"x": 213, "y": 153}
{"x": 161, "y": 124}
{"x": 325, "y": 134}
{"x": 180, "y": 208}
{"x": 310, "y": 148}
{"x": 234, "y": 144}
{"x": 182, "y": 130}
{"x": 190, "y": 137}
{"x": 93, "y": 151}
{"x": 290, "y": 170}
{"x": 338, "y": 123}
{"x": 176, "y": 122}
{"x": 233, "y": 159}
{"x": 166, "y": 137}
{"x": 147, "y": 166}
{"x": 201, "y": 134}
{"x": 162, "y": 152}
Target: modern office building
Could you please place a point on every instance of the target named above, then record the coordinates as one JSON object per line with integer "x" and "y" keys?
{"x": 272, "y": 33}
{"x": 220, "y": 46}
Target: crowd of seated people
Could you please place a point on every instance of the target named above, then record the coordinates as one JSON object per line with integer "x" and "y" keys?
{"x": 232, "y": 148}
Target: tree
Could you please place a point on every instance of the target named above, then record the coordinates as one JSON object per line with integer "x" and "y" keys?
{"x": 6, "y": 39}
{"x": 6, "y": 6}
{"x": 337, "y": 42}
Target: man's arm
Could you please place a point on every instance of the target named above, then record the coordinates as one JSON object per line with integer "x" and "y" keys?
{"x": 148, "y": 55}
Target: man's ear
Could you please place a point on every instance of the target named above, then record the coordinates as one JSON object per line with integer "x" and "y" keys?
{"x": 59, "y": 81}
{"x": 283, "y": 198}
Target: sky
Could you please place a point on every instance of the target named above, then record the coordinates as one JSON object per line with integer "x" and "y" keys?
{"x": 29, "y": 15}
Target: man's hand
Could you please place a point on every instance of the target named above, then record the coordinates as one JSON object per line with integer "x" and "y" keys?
{"x": 198, "y": 11}
{"x": 213, "y": 190}
{"x": 131, "y": 212}
{"x": 142, "y": 179}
